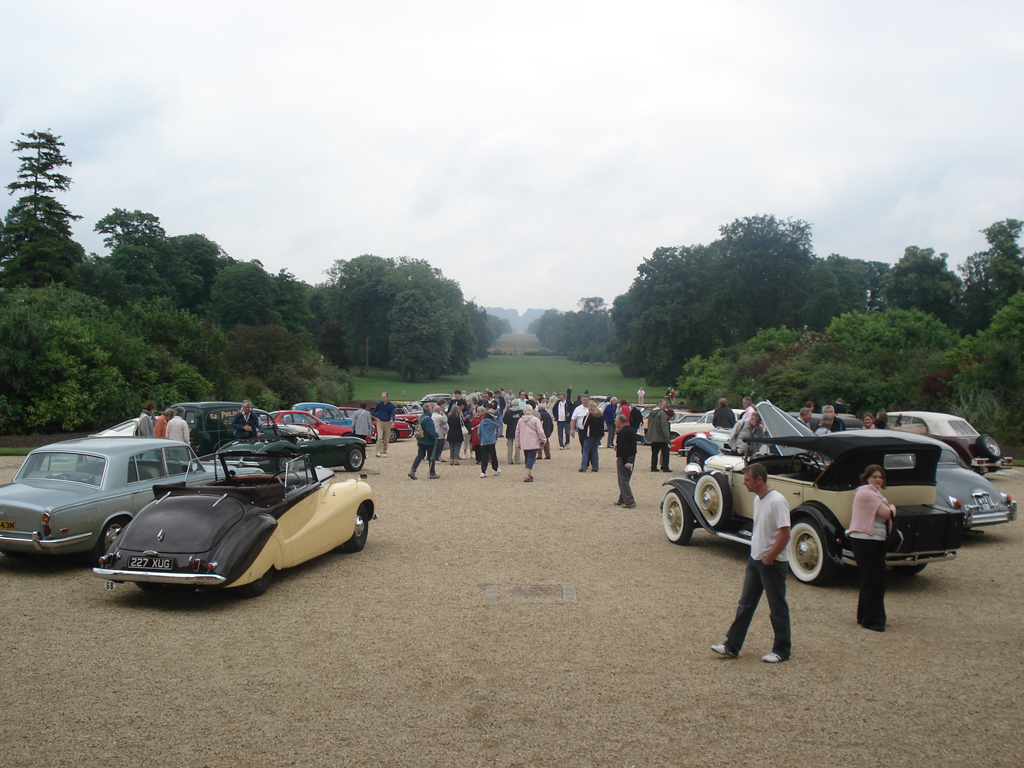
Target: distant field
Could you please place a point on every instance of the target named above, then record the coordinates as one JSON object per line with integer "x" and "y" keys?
{"x": 529, "y": 372}
{"x": 517, "y": 343}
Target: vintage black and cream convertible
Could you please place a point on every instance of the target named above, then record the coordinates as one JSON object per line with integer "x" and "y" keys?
{"x": 240, "y": 529}
{"x": 818, "y": 476}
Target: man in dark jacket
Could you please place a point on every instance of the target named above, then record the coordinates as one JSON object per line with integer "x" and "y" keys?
{"x": 511, "y": 422}
{"x": 625, "y": 458}
{"x": 549, "y": 426}
{"x": 245, "y": 423}
{"x": 723, "y": 418}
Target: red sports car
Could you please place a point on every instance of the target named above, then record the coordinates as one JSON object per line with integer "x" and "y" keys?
{"x": 305, "y": 419}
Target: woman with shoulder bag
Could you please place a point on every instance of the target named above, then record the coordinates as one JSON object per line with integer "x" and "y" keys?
{"x": 869, "y": 525}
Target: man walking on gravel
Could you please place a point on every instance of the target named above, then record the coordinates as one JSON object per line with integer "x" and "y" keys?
{"x": 766, "y": 570}
{"x": 625, "y": 458}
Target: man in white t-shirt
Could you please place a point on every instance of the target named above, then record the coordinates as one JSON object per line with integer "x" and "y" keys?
{"x": 579, "y": 416}
{"x": 766, "y": 570}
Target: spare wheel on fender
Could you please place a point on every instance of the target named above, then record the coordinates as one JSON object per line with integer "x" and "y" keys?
{"x": 714, "y": 499}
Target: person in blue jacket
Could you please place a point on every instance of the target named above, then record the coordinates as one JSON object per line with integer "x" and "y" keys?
{"x": 488, "y": 432}
{"x": 245, "y": 423}
{"x": 426, "y": 446}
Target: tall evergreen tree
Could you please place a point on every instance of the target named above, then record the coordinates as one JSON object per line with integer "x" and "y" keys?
{"x": 36, "y": 248}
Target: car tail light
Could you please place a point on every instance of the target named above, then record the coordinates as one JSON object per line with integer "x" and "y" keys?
{"x": 46, "y": 524}
{"x": 211, "y": 567}
{"x": 955, "y": 502}
{"x": 197, "y": 565}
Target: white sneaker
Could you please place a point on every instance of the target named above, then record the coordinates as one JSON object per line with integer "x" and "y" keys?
{"x": 772, "y": 658}
{"x": 483, "y": 474}
{"x": 497, "y": 471}
{"x": 721, "y": 650}
{"x": 385, "y": 455}
{"x": 378, "y": 455}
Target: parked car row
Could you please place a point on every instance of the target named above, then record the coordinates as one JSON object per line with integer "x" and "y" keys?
{"x": 151, "y": 512}
{"x": 936, "y": 495}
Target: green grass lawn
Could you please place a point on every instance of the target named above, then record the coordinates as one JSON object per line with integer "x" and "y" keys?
{"x": 15, "y": 451}
{"x": 532, "y": 373}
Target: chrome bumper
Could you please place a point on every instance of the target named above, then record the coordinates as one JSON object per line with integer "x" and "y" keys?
{"x": 975, "y": 518}
{"x": 155, "y": 577}
{"x": 38, "y": 544}
{"x": 898, "y": 558}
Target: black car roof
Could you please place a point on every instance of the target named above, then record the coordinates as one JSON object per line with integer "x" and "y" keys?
{"x": 850, "y": 454}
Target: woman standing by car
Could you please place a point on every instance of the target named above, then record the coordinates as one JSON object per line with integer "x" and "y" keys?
{"x": 868, "y": 421}
{"x": 871, "y": 511}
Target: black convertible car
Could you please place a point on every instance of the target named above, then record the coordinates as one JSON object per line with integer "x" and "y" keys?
{"x": 239, "y": 530}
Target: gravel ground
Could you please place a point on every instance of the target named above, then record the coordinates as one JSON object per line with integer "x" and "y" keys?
{"x": 415, "y": 653}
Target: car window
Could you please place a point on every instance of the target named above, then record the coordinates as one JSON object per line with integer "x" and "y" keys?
{"x": 899, "y": 461}
{"x": 70, "y": 467}
{"x": 147, "y": 465}
{"x": 332, "y": 413}
{"x": 179, "y": 460}
{"x": 306, "y": 420}
{"x": 948, "y": 456}
{"x": 190, "y": 419}
{"x": 961, "y": 427}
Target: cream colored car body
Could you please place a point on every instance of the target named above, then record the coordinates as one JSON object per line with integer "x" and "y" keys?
{"x": 314, "y": 526}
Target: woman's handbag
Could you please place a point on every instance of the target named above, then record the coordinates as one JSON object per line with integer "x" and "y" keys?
{"x": 893, "y": 536}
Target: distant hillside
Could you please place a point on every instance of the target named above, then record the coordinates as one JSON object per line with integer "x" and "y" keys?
{"x": 518, "y": 322}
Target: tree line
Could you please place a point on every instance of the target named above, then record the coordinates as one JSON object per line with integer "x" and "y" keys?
{"x": 756, "y": 311}
{"x": 86, "y": 339}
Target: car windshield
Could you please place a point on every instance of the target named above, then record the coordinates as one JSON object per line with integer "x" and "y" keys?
{"x": 780, "y": 424}
{"x": 70, "y": 467}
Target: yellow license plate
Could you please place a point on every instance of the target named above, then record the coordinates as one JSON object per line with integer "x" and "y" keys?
{"x": 7, "y": 525}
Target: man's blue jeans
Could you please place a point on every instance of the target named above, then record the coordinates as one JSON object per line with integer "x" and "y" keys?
{"x": 590, "y": 446}
{"x": 563, "y": 433}
{"x": 771, "y": 581}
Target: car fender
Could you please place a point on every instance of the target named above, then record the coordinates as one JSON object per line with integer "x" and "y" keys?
{"x": 835, "y": 534}
{"x": 707, "y": 445}
{"x": 241, "y": 547}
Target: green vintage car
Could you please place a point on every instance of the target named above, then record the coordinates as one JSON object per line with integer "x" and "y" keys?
{"x": 346, "y": 451}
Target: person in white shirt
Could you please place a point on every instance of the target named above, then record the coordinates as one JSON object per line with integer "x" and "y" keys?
{"x": 177, "y": 428}
{"x": 578, "y": 417}
{"x": 766, "y": 570}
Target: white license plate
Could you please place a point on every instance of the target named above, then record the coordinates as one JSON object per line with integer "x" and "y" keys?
{"x": 151, "y": 563}
{"x": 984, "y": 501}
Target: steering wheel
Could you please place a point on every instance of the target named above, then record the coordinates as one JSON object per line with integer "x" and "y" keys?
{"x": 280, "y": 477}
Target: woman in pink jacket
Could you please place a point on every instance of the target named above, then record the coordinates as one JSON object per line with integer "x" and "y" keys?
{"x": 529, "y": 438}
{"x": 867, "y": 531}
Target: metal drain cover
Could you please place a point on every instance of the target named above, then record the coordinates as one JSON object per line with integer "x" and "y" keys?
{"x": 509, "y": 592}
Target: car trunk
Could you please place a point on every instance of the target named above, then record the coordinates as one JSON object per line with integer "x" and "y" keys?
{"x": 182, "y": 524}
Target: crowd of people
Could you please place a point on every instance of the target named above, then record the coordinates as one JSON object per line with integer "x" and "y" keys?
{"x": 169, "y": 424}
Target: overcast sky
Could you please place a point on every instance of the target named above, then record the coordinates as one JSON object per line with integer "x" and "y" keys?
{"x": 536, "y": 152}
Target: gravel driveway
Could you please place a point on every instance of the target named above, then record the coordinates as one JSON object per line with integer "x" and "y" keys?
{"x": 496, "y": 623}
